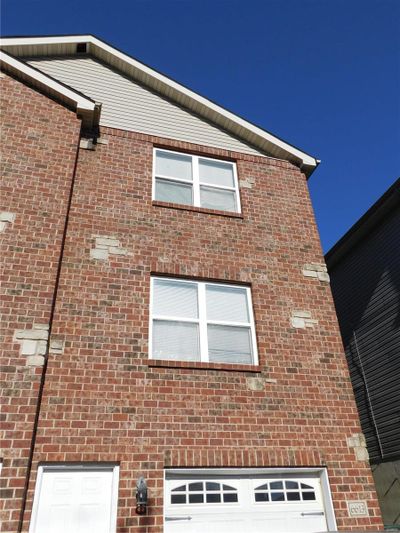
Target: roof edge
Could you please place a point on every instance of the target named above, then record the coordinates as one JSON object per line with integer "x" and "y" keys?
{"x": 382, "y": 207}
{"x": 251, "y": 133}
{"x": 86, "y": 108}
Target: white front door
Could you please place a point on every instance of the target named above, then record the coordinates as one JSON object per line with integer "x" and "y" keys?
{"x": 72, "y": 499}
{"x": 258, "y": 503}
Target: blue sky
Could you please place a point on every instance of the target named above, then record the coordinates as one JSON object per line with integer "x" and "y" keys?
{"x": 322, "y": 74}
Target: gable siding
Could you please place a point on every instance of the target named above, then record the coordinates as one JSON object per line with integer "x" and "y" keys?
{"x": 366, "y": 290}
{"x": 129, "y": 106}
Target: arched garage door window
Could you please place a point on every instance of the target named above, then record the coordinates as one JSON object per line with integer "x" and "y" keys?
{"x": 203, "y": 492}
{"x": 284, "y": 491}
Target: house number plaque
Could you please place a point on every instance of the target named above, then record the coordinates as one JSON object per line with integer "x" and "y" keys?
{"x": 357, "y": 508}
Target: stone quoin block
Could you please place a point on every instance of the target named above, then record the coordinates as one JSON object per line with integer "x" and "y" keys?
{"x": 6, "y": 218}
{"x": 316, "y": 270}
{"x": 106, "y": 246}
{"x": 302, "y": 320}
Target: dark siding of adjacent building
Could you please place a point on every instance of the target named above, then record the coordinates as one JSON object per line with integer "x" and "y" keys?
{"x": 365, "y": 282}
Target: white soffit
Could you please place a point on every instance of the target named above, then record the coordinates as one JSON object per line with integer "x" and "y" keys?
{"x": 84, "y": 106}
{"x": 66, "y": 45}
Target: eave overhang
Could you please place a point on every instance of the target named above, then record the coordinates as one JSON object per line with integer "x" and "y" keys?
{"x": 86, "y": 108}
{"x": 210, "y": 111}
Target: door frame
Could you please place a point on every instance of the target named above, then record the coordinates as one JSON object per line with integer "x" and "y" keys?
{"x": 77, "y": 467}
{"x": 320, "y": 472}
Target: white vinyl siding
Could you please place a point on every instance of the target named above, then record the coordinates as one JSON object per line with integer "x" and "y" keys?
{"x": 128, "y": 105}
{"x": 201, "y": 321}
{"x": 195, "y": 180}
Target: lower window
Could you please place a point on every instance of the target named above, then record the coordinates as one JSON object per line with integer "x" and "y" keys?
{"x": 295, "y": 500}
{"x": 201, "y": 321}
{"x": 75, "y": 499}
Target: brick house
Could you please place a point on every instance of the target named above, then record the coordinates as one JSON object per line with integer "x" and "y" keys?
{"x": 167, "y": 312}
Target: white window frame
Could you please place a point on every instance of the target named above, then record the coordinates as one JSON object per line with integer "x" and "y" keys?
{"x": 202, "y": 319}
{"x": 195, "y": 183}
{"x": 71, "y": 467}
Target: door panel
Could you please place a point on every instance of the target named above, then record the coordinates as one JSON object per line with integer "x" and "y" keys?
{"x": 75, "y": 501}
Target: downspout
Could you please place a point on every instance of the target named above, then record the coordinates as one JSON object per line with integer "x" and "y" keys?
{"x": 46, "y": 357}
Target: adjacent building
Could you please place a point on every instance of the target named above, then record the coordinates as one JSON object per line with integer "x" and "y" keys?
{"x": 365, "y": 276}
{"x": 167, "y": 313}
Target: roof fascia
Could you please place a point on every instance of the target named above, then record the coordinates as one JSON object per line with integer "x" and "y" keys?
{"x": 361, "y": 229}
{"x": 85, "y": 107}
{"x": 209, "y": 110}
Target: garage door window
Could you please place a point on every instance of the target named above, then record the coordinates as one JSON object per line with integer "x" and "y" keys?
{"x": 284, "y": 491}
{"x": 203, "y": 492}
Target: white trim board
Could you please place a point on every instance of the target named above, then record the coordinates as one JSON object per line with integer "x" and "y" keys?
{"x": 84, "y": 106}
{"x": 250, "y": 133}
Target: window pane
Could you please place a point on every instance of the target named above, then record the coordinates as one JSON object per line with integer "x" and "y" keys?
{"x": 196, "y": 486}
{"x": 308, "y": 495}
{"x": 210, "y": 485}
{"x": 276, "y": 485}
{"x": 293, "y": 496}
{"x": 171, "y": 191}
{"x": 175, "y": 298}
{"x": 277, "y": 497}
{"x": 213, "y": 498}
{"x": 227, "y": 487}
{"x": 196, "y": 498}
{"x": 174, "y": 165}
{"x": 178, "y": 498}
{"x": 226, "y": 304}
{"x": 217, "y": 199}
{"x": 182, "y": 488}
{"x": 263, "y": 487}
{"x": 291, "y": 485}
{"x": 175, "y": 340}
{"x": 216, "y": 172}
{"x": 230, "y": 497}
{"x": 262, "y": 497}
{"x": 229, "y": 344}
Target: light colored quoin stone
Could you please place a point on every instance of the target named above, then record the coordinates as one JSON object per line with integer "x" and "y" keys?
{"x": 6, "y": 218}
{"x": 35, "y": 360}
{"x": 56, "y": 346}
{"x": 302, "y": 319}
{"x": 247, "y": 183}
{"x": 106, "y": 246}
{"x": 255, "y": 384}
{"x": 317, "y": 271}
{"x": 359, "y": 445}
{"x": 33, "y": 343}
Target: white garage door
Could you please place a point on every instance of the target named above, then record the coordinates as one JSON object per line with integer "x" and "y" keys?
{"x": 258, "y": 503}
{"x": 75, "y": 500}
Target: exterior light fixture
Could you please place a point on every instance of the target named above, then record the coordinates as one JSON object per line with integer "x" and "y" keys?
{"x": 141, "y": 496}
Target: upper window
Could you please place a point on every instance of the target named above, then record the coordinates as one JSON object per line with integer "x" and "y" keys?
{"x": 194, "y": 180}
{"x": 201, "y": 321}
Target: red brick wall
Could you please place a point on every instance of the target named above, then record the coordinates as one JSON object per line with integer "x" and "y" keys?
{"x": 104, "y": 402}
{"x": 39, "y": 140}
